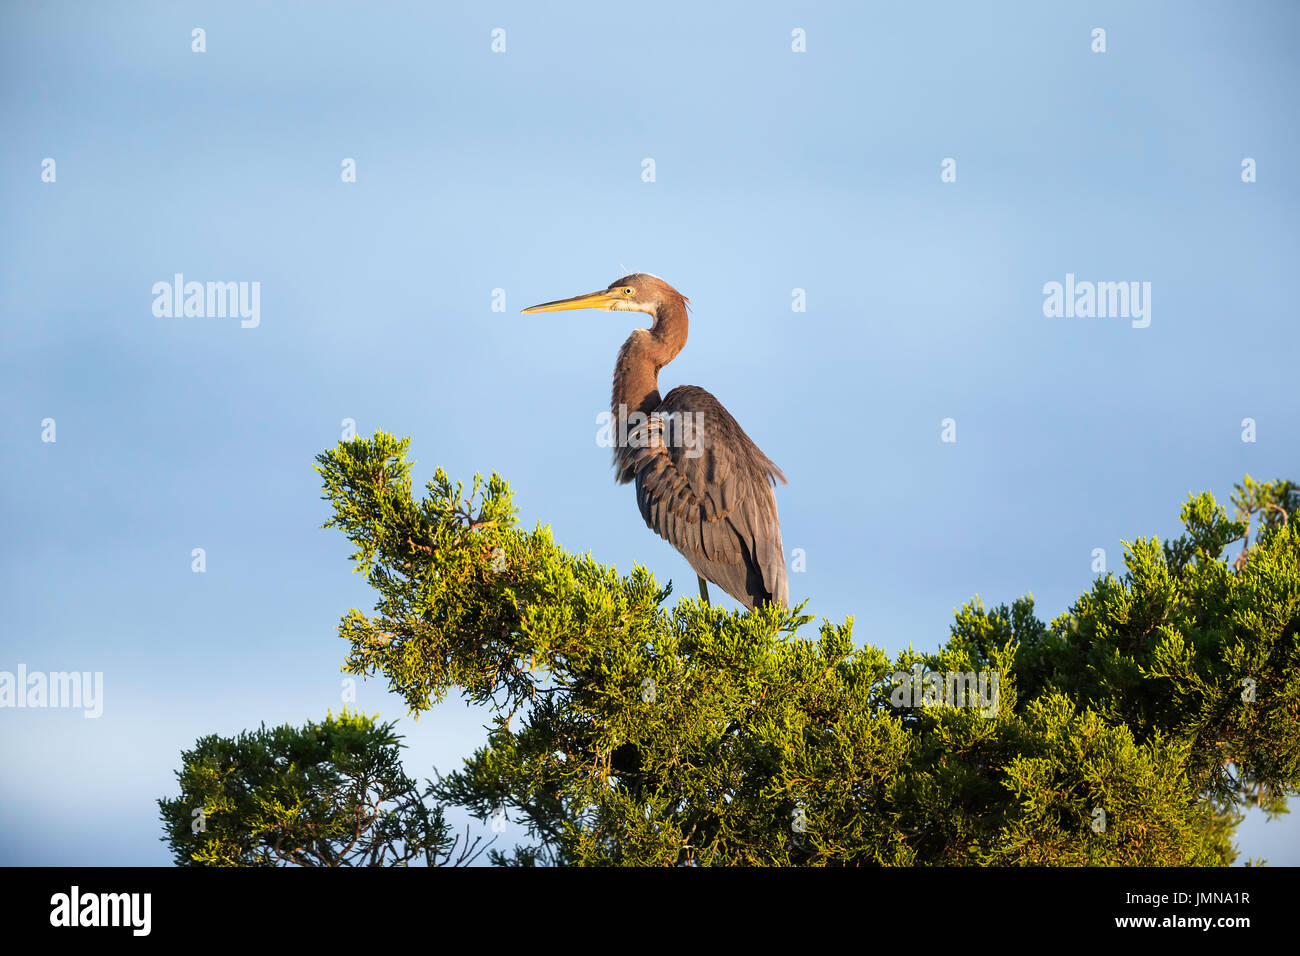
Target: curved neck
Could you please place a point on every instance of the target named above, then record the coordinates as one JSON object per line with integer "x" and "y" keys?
{"x": 636, "y": 373}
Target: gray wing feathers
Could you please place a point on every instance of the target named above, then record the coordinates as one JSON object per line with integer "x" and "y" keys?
{"x": 704, "y": 486}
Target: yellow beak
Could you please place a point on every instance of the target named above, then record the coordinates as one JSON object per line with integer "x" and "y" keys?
{"x": 592, "y": 300}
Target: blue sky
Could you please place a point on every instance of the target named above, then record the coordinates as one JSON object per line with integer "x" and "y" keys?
{"x": 522, "y": 171}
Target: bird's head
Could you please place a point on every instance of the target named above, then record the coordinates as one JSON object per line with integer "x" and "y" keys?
{"x": 639, "y": 292}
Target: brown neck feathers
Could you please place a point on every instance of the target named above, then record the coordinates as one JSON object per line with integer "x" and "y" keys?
{"x": 636, "y": 373}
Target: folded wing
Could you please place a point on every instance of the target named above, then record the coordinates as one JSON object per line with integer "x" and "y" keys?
{"x": 704, "y": 486}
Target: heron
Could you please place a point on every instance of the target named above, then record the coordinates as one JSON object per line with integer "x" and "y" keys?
{"x": 701, "y": 482}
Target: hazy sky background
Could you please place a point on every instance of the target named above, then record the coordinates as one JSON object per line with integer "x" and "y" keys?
{"x": 522, "y": 171}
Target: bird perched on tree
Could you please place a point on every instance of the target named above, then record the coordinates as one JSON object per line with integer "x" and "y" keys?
{"x": 701, "y": 482}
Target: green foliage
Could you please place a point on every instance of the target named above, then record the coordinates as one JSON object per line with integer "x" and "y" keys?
{"x": 328, "y": 794}
{"x": 626, "y": 731}
{"x": 1131, "y": 731}
{"x": 1183, "y": 643}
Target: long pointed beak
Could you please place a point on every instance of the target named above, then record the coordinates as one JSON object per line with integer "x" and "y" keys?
{"x": 592, "y": 300}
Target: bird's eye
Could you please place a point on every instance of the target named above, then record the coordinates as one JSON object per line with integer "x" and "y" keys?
{"x": 627, "y": 291}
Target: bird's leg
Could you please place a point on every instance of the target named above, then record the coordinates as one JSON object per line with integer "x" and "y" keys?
{"x": 704, "y": 589}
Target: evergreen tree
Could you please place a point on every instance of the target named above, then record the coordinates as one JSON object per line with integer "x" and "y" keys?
{"x": 1132, "y": 730}
{"x": 328, "y": 794}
